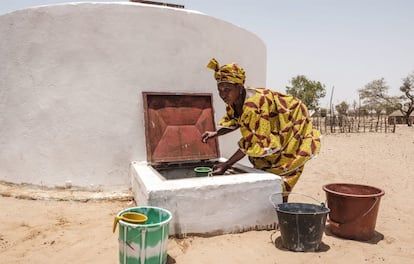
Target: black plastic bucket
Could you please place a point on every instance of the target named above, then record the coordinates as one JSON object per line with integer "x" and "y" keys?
{"x": 301, "y": 225}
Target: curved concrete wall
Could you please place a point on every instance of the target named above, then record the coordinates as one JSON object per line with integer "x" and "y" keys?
{"x": 71, "y": 79}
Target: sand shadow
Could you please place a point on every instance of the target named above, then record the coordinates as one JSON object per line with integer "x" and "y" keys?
{"x": 170, "y": 260}
{"x": 279, "y": 245}
{"x": 374, "y": 240}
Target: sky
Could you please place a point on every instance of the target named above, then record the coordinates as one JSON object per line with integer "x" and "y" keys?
{"x": 344, "y": 44}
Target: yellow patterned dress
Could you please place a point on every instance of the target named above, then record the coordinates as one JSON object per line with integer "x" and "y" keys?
{"x": 277, "y": 133}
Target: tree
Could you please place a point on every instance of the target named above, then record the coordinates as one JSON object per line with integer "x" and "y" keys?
{"x": 406, "y": 106}
{"x": 375, "y": 96}
{"x": 308, "y": 91}
{"x": 342, "y": 108}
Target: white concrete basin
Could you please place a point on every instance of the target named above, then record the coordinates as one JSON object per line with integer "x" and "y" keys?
{"x": 210, "y": 205}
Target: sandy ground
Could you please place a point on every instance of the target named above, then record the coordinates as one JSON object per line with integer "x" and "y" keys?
{"x": 78, "y": 230}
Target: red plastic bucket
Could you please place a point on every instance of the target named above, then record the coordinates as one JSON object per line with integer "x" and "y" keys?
{"x": 353, "y": 209}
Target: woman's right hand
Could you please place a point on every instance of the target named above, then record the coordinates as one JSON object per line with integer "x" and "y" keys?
{"x": 207, "y": 135}
{"x": 220, "y": 168}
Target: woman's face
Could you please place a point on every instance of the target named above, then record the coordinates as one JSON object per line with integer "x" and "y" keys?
{"x": 229, "y": 92}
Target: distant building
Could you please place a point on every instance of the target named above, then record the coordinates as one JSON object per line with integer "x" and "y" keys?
{"x": 397, "y": 117}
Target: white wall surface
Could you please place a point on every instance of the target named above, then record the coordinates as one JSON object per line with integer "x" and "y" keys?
{"x": 71, "y": 78}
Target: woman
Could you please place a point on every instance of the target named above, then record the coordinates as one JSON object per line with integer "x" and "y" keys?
{"x": 277, "y": 132}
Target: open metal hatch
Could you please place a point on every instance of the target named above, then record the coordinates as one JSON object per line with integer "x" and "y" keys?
{"x": 174, "y": 123}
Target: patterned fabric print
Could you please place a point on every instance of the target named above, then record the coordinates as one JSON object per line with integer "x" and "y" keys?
{"x": 228, "y": 120}
{"x": 231, "y": 73}
{"x": 290, "y": 179}
{"x": 277, "y": 133}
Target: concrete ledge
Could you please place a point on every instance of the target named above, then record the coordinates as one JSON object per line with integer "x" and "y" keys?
{"x": 35, "y": 192}
{"x": 210, "y": 205}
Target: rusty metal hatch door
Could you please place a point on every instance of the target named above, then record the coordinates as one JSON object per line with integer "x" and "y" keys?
{"x": 174, "y": 123}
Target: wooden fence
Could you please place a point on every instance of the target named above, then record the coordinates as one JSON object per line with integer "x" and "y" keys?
{"x": 346, "y": 124}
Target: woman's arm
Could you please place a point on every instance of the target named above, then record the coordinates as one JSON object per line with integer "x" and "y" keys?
{"x": 211, "y": 134}
{"x": 221, "y": 168}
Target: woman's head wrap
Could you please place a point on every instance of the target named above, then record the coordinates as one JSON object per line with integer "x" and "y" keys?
{"x": 231, "y": 73}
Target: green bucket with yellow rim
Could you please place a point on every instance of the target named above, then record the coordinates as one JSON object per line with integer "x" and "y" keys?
{"x": 144, "y": 243}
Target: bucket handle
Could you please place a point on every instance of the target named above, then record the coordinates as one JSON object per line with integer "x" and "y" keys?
{"x": 275, "y": 205}
{"x": 337, "y": 224}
